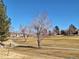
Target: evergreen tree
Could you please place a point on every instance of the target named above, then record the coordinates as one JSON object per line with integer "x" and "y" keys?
{"x": 4, "y": 22}
{"x": 72, "y": 29}
{"x": 56, "y": 30}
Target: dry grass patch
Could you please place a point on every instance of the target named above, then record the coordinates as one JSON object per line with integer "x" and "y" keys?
{"x": 48, "y": 50}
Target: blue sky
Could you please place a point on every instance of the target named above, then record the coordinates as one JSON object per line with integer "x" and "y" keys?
{"x": 61, "y": 12}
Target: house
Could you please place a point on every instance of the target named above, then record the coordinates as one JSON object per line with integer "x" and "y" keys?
{"x": 15, "y": 34}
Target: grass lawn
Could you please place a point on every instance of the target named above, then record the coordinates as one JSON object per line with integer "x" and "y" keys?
{"x": 53, "y": 47}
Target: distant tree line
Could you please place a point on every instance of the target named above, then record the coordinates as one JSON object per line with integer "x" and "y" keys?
{"x": 72, "y": 30}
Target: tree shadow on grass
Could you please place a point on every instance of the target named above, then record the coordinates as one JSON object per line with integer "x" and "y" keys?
{"x": 26, "y": 47}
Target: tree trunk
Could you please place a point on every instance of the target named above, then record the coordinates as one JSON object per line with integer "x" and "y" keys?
{"x": 38, "y": 41}
{"x": 24, "y": 36}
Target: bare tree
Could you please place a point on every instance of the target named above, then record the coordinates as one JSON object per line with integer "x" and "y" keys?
{"x": 23, "y": 31}
{"x": 50, "y": 33}
{"x": 39, "y": 24}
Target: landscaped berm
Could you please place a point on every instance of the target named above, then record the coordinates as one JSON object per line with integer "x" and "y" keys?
{"x": 52, "y": 47}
